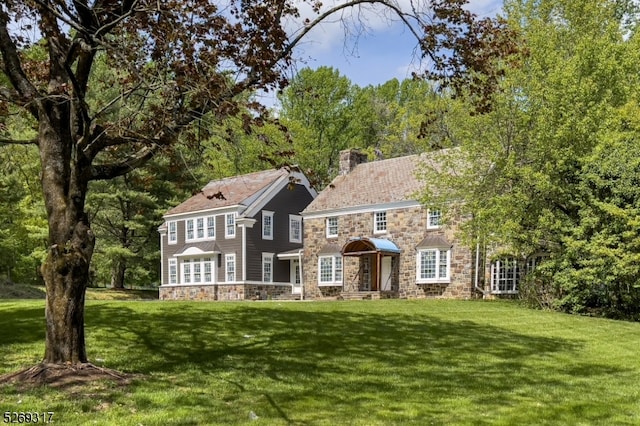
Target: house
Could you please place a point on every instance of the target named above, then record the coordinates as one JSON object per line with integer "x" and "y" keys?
{"x": 239, "y": 238}
{"x": 367, "y": 236}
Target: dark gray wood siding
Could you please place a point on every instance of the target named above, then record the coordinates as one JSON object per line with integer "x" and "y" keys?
{"x": 286, "y": 202}
{"x": 233, "y": 245}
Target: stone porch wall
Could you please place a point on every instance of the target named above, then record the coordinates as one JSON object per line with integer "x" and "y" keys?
{"x": 224, "y": 292}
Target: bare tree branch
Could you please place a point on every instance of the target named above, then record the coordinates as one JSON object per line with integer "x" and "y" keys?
{"x": 110, "y": 171}
{"x": 13, "y": 69}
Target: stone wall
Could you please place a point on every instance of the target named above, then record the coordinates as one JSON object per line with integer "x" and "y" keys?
{"x": 407, "y": 228}
{"x": 227, "y": 292}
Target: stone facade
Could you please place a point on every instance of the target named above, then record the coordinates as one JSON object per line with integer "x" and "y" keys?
{"x": 407, "y": 228}
{"x": 228, "y": 292}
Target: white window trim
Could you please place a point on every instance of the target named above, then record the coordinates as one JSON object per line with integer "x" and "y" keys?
{"x": 201, "y": 262}
{"x": 267, "y": 233}
{"x": 375, "y": 222}
{"x": 328, "y": 233}
{"x": 205, "y": 228}
{"x": 267, "y": 259}
{"x": 173, "y": 240}
{"x": 497, "y": 264}
{"x": 173, "y": 263}
{"x": 295, "y": 219}
{"x": 230, "y": 258}
{"x": 208, "y": 227}
{"x": 334, "y": 281}
{"x": 429, "y": 225}
{"x": 229, "y": 231}
{"x": 437, "y": 279}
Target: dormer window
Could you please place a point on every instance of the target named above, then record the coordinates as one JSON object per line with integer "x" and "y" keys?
{"x": 380, "y": 222}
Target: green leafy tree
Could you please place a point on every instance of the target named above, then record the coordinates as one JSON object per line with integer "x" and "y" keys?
{"x": 528, "y": 171}
{"x": 175, "y": 65}
{"x": 316, "y": 108}
{"x": 399, "y": 118}
{"x": 599, "y": 270}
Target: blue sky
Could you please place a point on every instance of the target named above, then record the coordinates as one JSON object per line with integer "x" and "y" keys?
{"x": 386, "y": 52}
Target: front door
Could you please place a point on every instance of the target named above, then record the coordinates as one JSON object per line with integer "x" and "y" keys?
{"x": 385, "y": 274}
{"x": 296, "y": 282}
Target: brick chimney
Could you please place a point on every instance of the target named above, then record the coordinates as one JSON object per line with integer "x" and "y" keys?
{"x": 350, "y": 158}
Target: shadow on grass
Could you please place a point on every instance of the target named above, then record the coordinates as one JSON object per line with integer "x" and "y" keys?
{"x": 391, "y": 364}
{"x": 21, "y": 324}
{"x": 349, "y": 358}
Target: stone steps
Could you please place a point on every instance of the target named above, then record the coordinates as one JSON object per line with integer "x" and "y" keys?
{"x": 287, "y": 297}
{"x": 367, "y": 295}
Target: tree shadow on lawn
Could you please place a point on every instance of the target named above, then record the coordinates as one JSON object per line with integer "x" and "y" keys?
{"x": 339, "y": 358}
{"x": 20, "y": 324}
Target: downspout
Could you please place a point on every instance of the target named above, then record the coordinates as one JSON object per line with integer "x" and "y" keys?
{"x": 244, "y": 252}
{"x": 476, "y": 284}
{"x": 301, "y": 274}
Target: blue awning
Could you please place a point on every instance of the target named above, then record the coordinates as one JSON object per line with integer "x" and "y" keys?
{"x": 363, "y": 245}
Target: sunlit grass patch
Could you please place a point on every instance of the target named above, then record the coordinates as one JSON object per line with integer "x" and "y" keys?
{"x": 372, "y": 362}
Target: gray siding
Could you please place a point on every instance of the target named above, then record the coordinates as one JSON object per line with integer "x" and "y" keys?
{"x": 286, "y": 202}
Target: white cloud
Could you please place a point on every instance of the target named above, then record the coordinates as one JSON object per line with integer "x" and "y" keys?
{"x": 348, "y": 26}
{"x": 384, "y": 51}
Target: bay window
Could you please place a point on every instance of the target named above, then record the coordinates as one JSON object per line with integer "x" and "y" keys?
{"x": 433, "y": 265}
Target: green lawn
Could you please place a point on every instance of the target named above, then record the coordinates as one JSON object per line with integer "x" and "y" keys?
{"x": 357, "y": 363}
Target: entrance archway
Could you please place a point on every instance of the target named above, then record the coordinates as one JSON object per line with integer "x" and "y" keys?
{"x": 376, "y": 254}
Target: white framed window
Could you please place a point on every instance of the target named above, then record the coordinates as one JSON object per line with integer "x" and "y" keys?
{"x": 208, "y": 265}
{"x": 189, "y": 223}
{"x": 186, "y": 271}
{"x": 267, "y": 267}
{"x": 267, "y": 225}
{"x": 534, "y": 261}
{"x": 173, "y": 271}
{"x": 200, "y": 228}
{"x": 332, "y": 227}
{"x": 230, "y": 267}
{"x": 172, "y": 232}
{"x": 211, "y": 227}
{"x": 434, "y": 219}
{"x": 505, "y": 275}
{"x": 295, "y": 229}
{"x": 330, "y": 270}
{"x": 433, "y": 265}
{"x": 197, "y": 271}
{"x": 379, "y": 222}
{"x": 230, "y": 225}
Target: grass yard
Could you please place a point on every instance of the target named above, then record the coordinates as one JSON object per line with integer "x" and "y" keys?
{"x": 335, "y": 363}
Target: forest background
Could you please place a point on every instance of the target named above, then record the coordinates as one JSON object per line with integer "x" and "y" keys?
{"x": 553, "y": 167}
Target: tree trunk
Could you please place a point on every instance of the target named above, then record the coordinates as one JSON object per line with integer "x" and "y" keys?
{"x": 71, "y": 241}
{"x": 118, "y": 273}
{"x": 66, "y": 274}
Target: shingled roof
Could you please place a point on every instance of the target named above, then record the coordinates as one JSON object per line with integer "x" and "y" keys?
{"x": 377, "y": 182}
{"x": 232, "y": 191}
